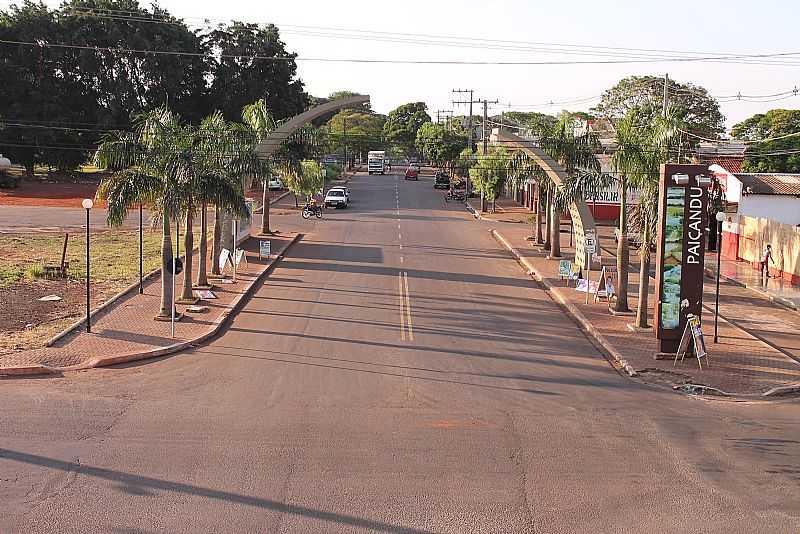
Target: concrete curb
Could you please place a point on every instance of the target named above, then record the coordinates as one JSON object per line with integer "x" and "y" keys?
{"x": 597, "y": 339}
{"x": 217, "y": 325}
{"x": 77, "y": 324}
{"x": 782, "y": 390}
{"x": 602, "y": 344}
{"x": 780, "y": 301}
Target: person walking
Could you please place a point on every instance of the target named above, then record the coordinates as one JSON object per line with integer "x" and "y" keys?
{"x": 766, "y": 257}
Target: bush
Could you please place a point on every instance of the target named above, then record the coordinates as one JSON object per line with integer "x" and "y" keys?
{"x": 332, "y": 171}
{"x": 34, "y": 271}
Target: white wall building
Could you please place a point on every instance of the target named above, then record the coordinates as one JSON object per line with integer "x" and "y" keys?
{"x": 773, "y": 196}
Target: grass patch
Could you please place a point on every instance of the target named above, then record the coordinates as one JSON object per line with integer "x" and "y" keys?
{"x": 114, "y": 255}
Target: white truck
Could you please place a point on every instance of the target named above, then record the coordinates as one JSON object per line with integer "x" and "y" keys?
{"x": 376, "y": 161}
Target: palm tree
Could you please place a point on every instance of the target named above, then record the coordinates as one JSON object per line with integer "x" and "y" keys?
{"x": 221, "y": 156}
{"x": 259, "y": 122}
{"x": 658, "y": 138}
{"x": 577, "y": 154}
{"x": 149, "y": 165}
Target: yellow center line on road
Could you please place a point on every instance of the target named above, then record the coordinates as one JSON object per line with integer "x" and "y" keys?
{"x": 402, "y": 306}
{"x": 408, "y": 308}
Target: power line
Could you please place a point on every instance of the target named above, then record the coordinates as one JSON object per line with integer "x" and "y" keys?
{"x": 372, "y": 34}
{"x": 293, "y": 57}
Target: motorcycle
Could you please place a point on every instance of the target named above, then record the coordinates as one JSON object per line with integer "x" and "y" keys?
{"x": 455, "y": 194}
{"x": 312, "y": 209}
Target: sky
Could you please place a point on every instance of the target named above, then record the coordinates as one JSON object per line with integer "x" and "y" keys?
{"x": 707, "y": 27}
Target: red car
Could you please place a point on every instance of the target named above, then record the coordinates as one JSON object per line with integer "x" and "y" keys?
{"x": 412, "y": 173}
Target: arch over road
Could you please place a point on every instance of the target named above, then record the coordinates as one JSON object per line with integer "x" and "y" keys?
{"x": 582, "y": 218}
{"x": 274, "y": 140}
{"x": 277, "y": 137}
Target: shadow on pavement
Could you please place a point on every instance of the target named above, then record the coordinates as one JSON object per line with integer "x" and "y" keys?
{"x": 384, "y": 373}
{"x": 143, "y": 486}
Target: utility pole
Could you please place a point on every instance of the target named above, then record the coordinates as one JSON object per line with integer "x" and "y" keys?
{"x": 469, "y": 130}
{"x": 484, "y": 130}
{"x": 666, "y": 95}
{"x": 344, "y": 131}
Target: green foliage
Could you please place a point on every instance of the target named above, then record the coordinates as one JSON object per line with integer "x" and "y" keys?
{"x": 689, "y": 103}
{"x": 489, "y": 172}
{"x": 440, "y": 145}
{"x": 539, "y": 124}
{"x": 240, "y": 80}
{"x": 303, "y": 178}
{"x": 41, "y": 85}
{"x": 70, "y": 95}
{"x": 465, "y": 161}
{"x": 402, "y": 124}
{"x": 332, "y": 171}
{"x": 773, "y": 123}
{"x": 359, "y": 130}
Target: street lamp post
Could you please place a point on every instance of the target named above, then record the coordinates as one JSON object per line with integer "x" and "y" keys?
{"x": 719, "y": 217}
{"x": 87, "y": 205}
{"x": 141, "y": 252}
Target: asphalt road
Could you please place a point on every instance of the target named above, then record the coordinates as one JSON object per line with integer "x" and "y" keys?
{"x": 396, "y": 373}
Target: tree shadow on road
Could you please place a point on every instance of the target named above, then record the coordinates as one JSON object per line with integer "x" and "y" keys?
{"x": 144, "y": 485}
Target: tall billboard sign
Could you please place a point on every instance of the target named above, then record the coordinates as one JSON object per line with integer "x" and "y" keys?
{"x": 682, "y": 229}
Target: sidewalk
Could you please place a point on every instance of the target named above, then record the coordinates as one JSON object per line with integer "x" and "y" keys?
{"x": 742, "y": 273}
{"x": 126, "y": 331}
{"x": 757, "y": 338}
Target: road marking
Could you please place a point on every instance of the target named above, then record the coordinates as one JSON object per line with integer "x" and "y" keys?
{"x": 408, "y": 308}
{"x": 402, "y": 306}
{"x": 399, "y": 236}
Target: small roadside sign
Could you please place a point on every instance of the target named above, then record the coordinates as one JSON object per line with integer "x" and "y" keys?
{"x": 224, "y": 255}
{"x": 692, "y": 338}
{"x": 264, "y": 249}
{"x": 590, "y": 245}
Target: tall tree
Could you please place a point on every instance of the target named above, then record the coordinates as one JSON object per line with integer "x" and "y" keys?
{"x": 357, "y": 130}
{"x": 148, "y": 167}
{"x": 258, "y": 122}
{"x": 223, "y": 154}
{"x": 691, "y": 104}
{"x": 577, "y": 154}
{"x": 126, "y": 83}
{"x": 402, "y": 124}
{"x": 440, "y": 145}
{"x": 40, "y": 89}
{"x": 537, "y": 124}
{"x": 489, "y": 172}
{"x": 250, "y": 63}
{"x": 778, "y": 155}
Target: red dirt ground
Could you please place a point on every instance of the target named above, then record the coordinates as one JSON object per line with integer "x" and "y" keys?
{"x": 42, "y": 193}
{"x": 65, "y": 195}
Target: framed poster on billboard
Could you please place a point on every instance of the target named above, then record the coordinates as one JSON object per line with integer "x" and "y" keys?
{"x": 682, "y": 221}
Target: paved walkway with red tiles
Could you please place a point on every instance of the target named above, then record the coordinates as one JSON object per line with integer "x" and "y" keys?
{"x": 759, "y": 341}
{"x": 128, "y": 326}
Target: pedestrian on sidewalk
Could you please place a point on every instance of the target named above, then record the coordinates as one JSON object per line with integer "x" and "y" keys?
{"x": 766, "y": 257}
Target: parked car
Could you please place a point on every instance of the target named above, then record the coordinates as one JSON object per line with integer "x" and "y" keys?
{"x": 336, "y": 198}
{"x": 275, "y": 183}
{"x": 341, "y": 188}
{"x": 412, "y": 173}
{"x": 441, "y": 181}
